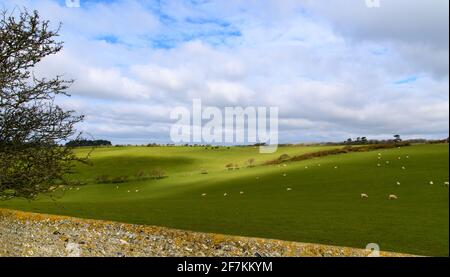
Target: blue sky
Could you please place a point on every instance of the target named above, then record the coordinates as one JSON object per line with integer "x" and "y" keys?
{"x": 334, "y": 70}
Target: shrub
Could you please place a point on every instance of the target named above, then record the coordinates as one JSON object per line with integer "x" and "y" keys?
{"x": 157, "y": 173}
{"x": 251, "y": 162}
{"x": 103, "y": 179}
{"x": 284, "y": 157}
{"x": 204, "y": 171}
{"x": 119, "y": 179}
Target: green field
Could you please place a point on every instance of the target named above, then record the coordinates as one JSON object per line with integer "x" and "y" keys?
{"x": 323, "y": 204}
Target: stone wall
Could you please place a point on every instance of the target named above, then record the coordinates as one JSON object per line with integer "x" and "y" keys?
{"x": 30, "y": 234}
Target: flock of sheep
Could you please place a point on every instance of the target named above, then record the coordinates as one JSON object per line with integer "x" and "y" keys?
{"x": 363, "y": 195}
{"x": 393, "y": 196}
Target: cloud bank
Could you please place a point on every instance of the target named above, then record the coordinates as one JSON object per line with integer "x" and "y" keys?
{"x": 335, "y": 69}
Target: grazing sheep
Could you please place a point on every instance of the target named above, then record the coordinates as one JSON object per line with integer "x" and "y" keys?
{"x": 319, "y": 165}
{"x": 284, "y": 165}
{"x": 363, "y": 195}
{"x": 399, "y": 158}
{"x": 241, "y": 192}
{"x": 288, "y": 189}
{"x": 407, "y": 157}
{"x": 117, "y": 187}
{"x": 306, "y": 167}
{"x": 387, "y": 162}
{"x": 393, "y": 197}
{"x": 284, "y": 174}
{"x": 398, "y": 183}
{"x": 137, "y": 190}
{"x": 225, "y": 194}
{"x": 379, "y": 158}
{"x": 446, "y": 184}
{"x": 128, "y": 191}
{"x": 336, "y": 167}
{"x": 431, "y": 183}
{"x": 403, "y": 167}
{"x": 379, "y": 154}
{"x": 204, "y": 194}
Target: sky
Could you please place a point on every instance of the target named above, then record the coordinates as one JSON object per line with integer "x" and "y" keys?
{"x": 335, "y": 69}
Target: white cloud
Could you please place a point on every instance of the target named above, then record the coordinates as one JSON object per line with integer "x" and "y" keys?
{"x": 331, "y": 69}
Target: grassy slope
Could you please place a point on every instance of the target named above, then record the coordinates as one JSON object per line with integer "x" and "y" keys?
{"x": 324, "y": 205}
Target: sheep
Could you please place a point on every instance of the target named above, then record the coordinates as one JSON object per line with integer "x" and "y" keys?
{"x": 398, "y": 183}
{"x": 403, "y": 167}
{"x": 137, "y": 190}
{"x": 284, "y": 174}
{"x": 378, "y": 165}
{"x": 446, "y": 184}
{"x": 306, "y": 167}
{"x": 431, "y": 183}
{"x": 288, "y": 189}
{"x": 204, "y": 194}
{"x": 393, "y": 197}
{"x": 387, "y": 162}
{"x": 225, "y": 194}
{"x": 399, "y": 158}
{"x": 128, "y": 191}
{"x": 364, "y": 195}
{"x": 257, "y": 177}
{"x": 336, "y": 167}
{"x": 241, "y": 192}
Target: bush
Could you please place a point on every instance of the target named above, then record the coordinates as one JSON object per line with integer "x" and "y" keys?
{"x": 157, "y": 173}
{"x": 204, "y": 171}
{"x": 103, "y": 179}
{"x": 119, "y": 179}
{"x": 251, "y": 162}
{"x": 284, "y": 157}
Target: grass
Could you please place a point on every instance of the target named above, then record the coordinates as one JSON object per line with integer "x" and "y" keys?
{"x": 323, "y": 205}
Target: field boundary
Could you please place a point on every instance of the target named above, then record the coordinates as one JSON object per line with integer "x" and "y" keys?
{"x": 344, "y": 150}
{"x": 27, "y": 234}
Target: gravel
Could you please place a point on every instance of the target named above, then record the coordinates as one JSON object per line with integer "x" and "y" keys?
{"x": 28, "y": 234}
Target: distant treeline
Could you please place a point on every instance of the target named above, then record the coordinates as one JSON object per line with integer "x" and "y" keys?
{"x": 85, "y": 142}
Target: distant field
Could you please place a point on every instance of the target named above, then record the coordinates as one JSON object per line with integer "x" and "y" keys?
{"x": 315, "y": 200}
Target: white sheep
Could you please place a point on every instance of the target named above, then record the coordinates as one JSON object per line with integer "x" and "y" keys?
{"x": 364, "y": 195}
{"x": 403, "y": 167}
{"x": 137, "y": 190}
{"x": 387, "y": 162}
{"x": 241, "y": 192}
{"x": 446, "y": 184}
{"x": 225, "y": 194}
{"x": 284, "y": 174}
{"x": 288, "y": 189}
{"x": 431, "y": 183}
{"x": 398, "y": 183}
{"x": 204, "y": 194}
{"x": 393, "y": 197}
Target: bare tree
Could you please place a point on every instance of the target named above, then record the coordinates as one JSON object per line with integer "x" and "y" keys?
{"x": 32, "y": 126}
